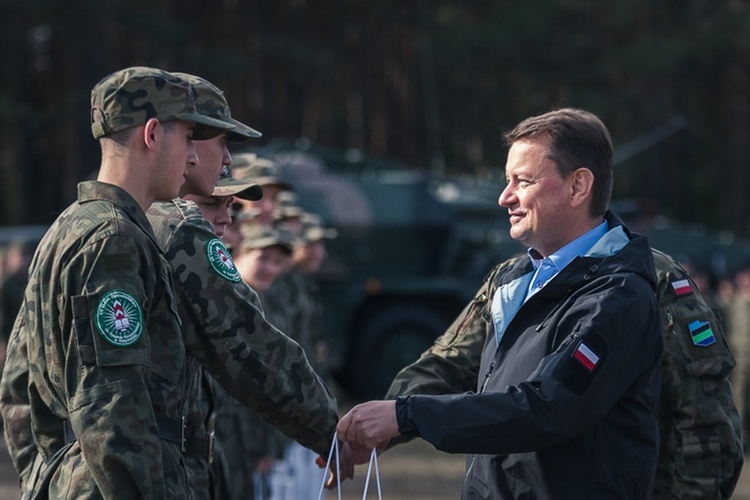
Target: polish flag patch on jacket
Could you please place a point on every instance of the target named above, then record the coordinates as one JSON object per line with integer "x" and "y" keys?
{"x": 586, "y": 357}
{"x": 681, "y": 287}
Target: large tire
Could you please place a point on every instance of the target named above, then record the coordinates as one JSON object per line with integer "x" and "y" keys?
{"x": 389, "y": 338}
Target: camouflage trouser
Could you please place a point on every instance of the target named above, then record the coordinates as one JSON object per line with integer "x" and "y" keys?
{"x": 244, "y": 438}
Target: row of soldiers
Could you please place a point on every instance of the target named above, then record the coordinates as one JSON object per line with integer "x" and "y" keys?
{"x": 134, "y": 301}
{"x": 277, "y": 247}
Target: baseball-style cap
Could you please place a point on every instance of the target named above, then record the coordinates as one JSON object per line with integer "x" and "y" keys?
{"x": 229, "y": 186}
{"x": 314, "y": 230}
{"x": 211, "y": 102}
{"x": 132, "y": 96}
{"x": 287, "y": 206}
{"x": 253, "y": 168}
{"x": 261, "y": 236}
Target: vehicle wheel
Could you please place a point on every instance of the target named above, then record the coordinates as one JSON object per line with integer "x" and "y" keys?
{"x": 388, "y": 339}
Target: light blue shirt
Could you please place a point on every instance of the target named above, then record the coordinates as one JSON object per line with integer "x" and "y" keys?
{"x": 547, "y": 268}
{"x": 509, "y": 297}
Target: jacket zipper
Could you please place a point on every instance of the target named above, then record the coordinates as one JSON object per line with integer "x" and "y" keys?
{"x": 481, "y": 390}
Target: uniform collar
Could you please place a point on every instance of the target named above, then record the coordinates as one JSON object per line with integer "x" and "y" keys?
{"x": 101, "y": 191}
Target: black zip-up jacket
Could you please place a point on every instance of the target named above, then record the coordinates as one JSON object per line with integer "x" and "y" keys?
{"x": 566, "y": 405}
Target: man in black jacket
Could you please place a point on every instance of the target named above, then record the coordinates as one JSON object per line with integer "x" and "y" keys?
{"x": 566, "y": 398}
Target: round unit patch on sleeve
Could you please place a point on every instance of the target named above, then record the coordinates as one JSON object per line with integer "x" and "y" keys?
{"x": 221, "y": 261}
{"x": 119, "y": 318}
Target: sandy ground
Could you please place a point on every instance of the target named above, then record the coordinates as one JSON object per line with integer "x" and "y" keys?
{"x": 414, "y": 471}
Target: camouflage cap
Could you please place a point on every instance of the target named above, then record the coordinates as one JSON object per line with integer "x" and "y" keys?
{"x": 287, "y": 206}
{"x": 253, "y": 168}
{"x": 132, "y": 96}
{"x": 256, "y": 236}
{"x": 211, "y": 102}
{"x": 314, "y": 230}
{"x": 229, "y": 186}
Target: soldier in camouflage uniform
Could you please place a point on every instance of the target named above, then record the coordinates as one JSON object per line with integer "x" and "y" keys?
{"x": 264, "y": 172}
{"x": 252, "y": 446}
{"x": 701, "y": 449}
{"x": 222, "y": 323}
{"x": 295, "y": 296}
{"x": 92, "y": 392}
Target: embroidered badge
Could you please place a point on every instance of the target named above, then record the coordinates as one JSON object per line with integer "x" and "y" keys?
{"x": 119, "y": 318}
{"x": 221, "y": 261}
{"x": 702, "y": 334}
{"x": 681, "y": 288}
{"x": 586, "y": 357}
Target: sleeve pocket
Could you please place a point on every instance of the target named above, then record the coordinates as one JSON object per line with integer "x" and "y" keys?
{"x": 109, "y": 323}
{"x": 698, "y": 336}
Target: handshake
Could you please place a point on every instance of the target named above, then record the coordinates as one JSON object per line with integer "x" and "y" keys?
{"x": 365, "y": 427}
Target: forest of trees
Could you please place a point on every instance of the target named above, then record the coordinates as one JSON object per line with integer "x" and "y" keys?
{"x": 431, "y": 84}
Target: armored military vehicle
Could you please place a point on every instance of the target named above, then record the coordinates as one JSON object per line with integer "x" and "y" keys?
{"x": 410, "y": 253}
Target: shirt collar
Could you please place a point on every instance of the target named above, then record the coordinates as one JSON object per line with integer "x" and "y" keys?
{"x": 578, "y": 246}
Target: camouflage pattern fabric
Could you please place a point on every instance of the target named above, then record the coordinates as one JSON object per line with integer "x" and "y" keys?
{"x": 130, "y": 97}
{"x": 244, "y": 436}
{"x": 11, "y": 297}
{"x": 96, "y": 344}
{"x": 701, "y": 449}
{"x": 294, "y": 299}
{"x": 211, "y": 102}
{"x": 226, "y": 331}
{"x": 701, "y": 453}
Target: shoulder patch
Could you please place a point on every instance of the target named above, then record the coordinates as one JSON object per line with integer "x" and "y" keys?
{"x": 681, "y": 288}
{"x": 119, "y": 318}
{"x": 221, "y": 261}
{"x": 586, "y": 357}
{"x": 701, "y": 333}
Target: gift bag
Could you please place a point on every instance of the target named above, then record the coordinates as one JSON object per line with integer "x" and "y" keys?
{"x": 372, "y": 465}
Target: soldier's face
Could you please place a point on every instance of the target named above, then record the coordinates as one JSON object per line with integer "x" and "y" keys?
{"x": 215, "y": 209}
{"x": 309, "y": 257}
{"x": 263, "y": 208}
{"x": 213, "y": 155}
{"x": 176, "y": 155}
{"x": 260, "y": 267}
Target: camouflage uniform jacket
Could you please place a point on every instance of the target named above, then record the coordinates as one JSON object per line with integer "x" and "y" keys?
{"x": 226, "y": 331}
{"x": 96, "y": 352}
{"x": 700, "y": 451}
{"x": 294, "y": 296}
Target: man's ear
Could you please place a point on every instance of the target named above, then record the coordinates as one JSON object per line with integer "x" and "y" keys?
{"x": 152, "y": 133}
{"x": 581, "y": 183}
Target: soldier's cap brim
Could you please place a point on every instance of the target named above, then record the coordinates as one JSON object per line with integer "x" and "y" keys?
{"x": 205, "y": 126}
{"x": 241, "y": 132}
{"x": 270, "y": 181}
{"x": 240, "y": 189}
{"x": 269, "y": 241}
{"x": 319, "y": 233}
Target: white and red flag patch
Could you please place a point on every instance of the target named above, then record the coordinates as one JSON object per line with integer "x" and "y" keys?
{"x": 586, "y": 357}
{"x": 682, "y": 287}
